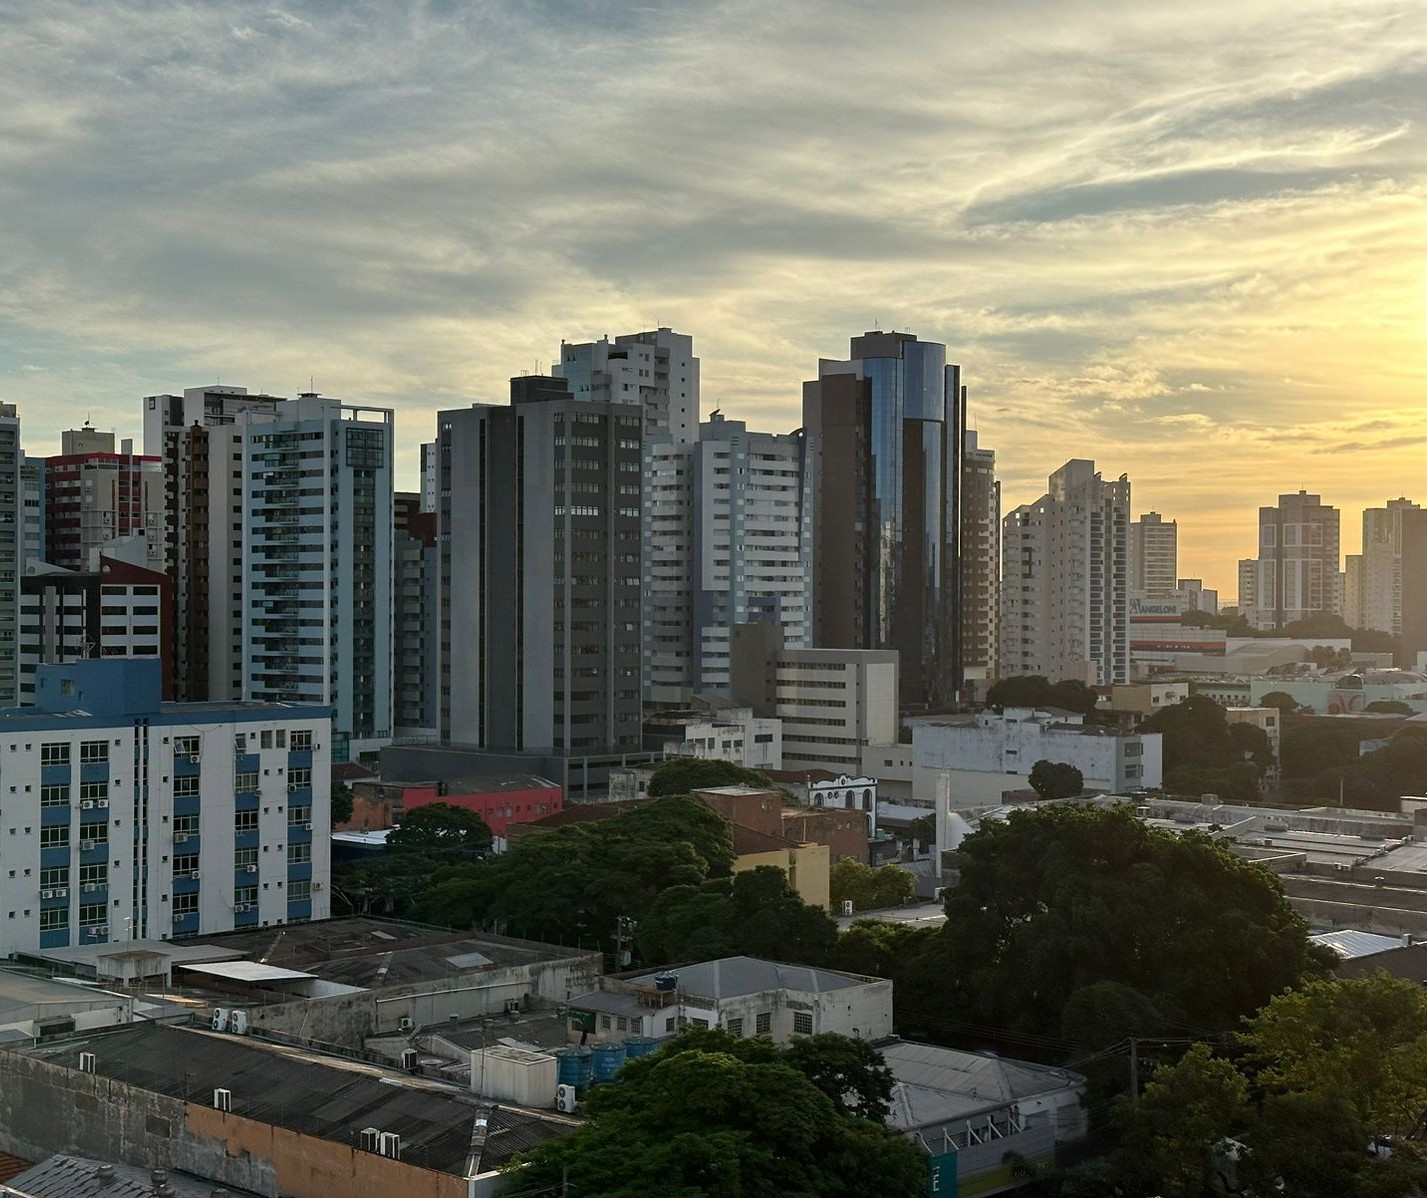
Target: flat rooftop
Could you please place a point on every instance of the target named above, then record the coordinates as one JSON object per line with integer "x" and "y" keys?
{"x": 730, "y": 977}
{"x": 330, "y": 1098}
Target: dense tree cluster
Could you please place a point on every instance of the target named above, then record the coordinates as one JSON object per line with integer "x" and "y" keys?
{"x": 1032, "y": 690}
{"x": 869, "y": 889}
{"x": 1322, "y": 760}
{"x": 1205, "y": 754}
{"x": 710, "y": 1114}
{"x": 683, "y": 775}
{"x": 1056, "y": 780}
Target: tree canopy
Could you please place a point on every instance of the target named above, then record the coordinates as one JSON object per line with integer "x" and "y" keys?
{"x": 1325, "y": 764}
{"x": 440, "y": 826}
{"x": 683, "y": 775}
{"x": 1032, "y": 690}
{"x": 869, "y": 889}
{"x": 1051, "y": 901}
{"x": 1285, "y": 702}
{"x": 1056, "y": 780}
{"x": 714, "y": 1116}
{"x": 1204, "y": 753}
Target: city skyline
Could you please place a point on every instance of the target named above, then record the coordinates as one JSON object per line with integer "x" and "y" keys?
{"x": 1182, "y": 243}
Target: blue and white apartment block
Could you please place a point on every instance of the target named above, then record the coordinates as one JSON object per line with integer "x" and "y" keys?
{"x": 126, "y": 818}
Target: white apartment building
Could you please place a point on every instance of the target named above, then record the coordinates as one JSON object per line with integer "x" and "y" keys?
{"x": 986, "y": 755}
{"x": 12, "y": 556}
{"x": 656, "y": 370}
{"x": 734, "y": 734}
{"x": 1296, "y": 573}
{"x": 317, "y": 562}
{"x": 130, "y": 819}
{"x": 727, "y": 531}
{"x": 1372, "y": 580}
{"x": 980, "y": 558}
{"x": 1154, "y": 555}
{"x": 1065, "y": 580}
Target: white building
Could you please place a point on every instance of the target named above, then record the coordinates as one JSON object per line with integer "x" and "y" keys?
{"x": 1154, "y": 555}
{"x": 726, "y": 540}
{"x": 980, "y": 558}
{"x": 656, "y": 370}
{"x": 986, "y": 755}
{"x": 734, "y": 734}
{"x": 317, "y": 562}
{"x": 1064, "y": 580}
{"x": 846, "y": 793}
{"x": 1372, "y": 583}
{"x": 12, "y": 540}
{"x": 129, "y": 819}
{"x": 833, "y": 703}
{"x": 1296, "y": 573}
{"x": 743, "y": 996}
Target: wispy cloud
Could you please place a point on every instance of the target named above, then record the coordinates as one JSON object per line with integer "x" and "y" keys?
{"x": 1182, "y": 239}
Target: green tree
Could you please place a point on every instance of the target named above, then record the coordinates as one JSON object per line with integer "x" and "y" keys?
{"x": 1063, "y": 897}
{"x": 1204, "y": 753}
{"x": 441, "y": 826}
{"x": 1312, "y": 1144}
{"x": 1032, "y": 690}
{"x": 1056, "y": 780}
{"x": 1364, "y": 1038}
{"x": 341, "y": 803}
{"x": 1390, "y": 707}
{"x": 683, "y": 775}
{"x": 755, "y": 913}
{"x": 1285, "y": 702}
{"x": 1172, "y": 1137}
{"x": 870, "y": 889}
{"x": 690, "y": 1122}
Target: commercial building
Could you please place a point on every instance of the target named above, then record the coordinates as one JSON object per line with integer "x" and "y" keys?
{"x": 317, "y": 562}
{"x": 540, "y": 610}
{"x": 1065, "y": 581}
{"x": 885, "y": 431}
{"x": 196, "y": 439}
{"x": 15, "y": 528}
{"x": 987, "y": 755}
{"x": 726, "y": 734}
{"x": 655, "y": 370}
{"x": 94, "y": 495}
{"x": 1154, "y": 555}
{"x": 131, "y": 818}
{"x": 499, "y": 800}
{"x": 832, "y": 703}
{"x": 1372, "y": 580}
{"x": 980, "y": 558}
{"x": 727, "y": 533}
{"x": 1295, "y": 574}
{"x": 743, "y": 996}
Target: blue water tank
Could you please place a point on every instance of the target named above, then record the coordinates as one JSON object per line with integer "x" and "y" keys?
{"x": 608, "y": 1060}
{"x": 575, "y": 1067}
{"x": 666, "y": 981}
{"x": 640, "y": 1046}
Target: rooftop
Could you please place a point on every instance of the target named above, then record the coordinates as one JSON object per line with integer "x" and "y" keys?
{"x": 747, "y": 841}
{"x": 734, "y": 976}
{"x": 1350, "y": 944}
{"x": 331, "y": 1098}
{"x": 64, "y": 1176}
{"x": 934, "y": 1085}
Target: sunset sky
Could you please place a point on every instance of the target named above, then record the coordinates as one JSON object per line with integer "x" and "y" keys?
{"x": 1187, "y": 240}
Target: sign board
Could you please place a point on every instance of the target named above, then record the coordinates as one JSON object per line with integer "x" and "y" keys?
{"x": 941, "y": 1175}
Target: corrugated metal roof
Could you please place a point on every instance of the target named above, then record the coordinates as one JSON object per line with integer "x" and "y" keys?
{"x": 63, "y": 1176}
{"x": 732, "y": 976}
{"x": 935, "y": 1084}
{"x": 1350, "y": 944}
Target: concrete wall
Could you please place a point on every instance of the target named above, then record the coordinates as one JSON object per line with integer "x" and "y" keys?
{"x": 47, "y": 1108}
{"x": 349, "y": 1018}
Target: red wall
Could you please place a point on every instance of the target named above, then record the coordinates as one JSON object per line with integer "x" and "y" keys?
{"x": 499, "y": 810}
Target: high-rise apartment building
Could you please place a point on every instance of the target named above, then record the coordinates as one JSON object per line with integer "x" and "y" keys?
{"x": 1065, "y": 580}
{"x": 12, "y": 549}
{"x": 980, "y": 558}
{"x": 317, "y": 561}
{"x": 726, "y": 541}
{"x": 414, "y": 617}
{"x": 1296, "y": 573}
{"x": 94, "y": 495}
{"x": 195, "y": 436}
{"x": 137, "y": 819}
{"x": 885, "y": 431}
{"x": 1154, "y": 556}
{"x": 538, "y": 531}
{"x": 1372, "y": 580}
{"x": 656, "y": 370}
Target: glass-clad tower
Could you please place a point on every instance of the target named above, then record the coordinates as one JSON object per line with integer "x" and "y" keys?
{"x": 885, "y": 431}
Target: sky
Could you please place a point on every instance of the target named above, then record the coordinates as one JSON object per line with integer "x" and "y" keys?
{"x": 1186, "y": 240}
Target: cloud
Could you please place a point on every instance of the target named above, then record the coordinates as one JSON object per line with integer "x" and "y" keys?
{"x": 1180, "y": 239}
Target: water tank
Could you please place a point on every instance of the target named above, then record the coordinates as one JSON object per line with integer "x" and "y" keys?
{"x": 666, "y": 981}
{"x": 575, "y": 1068}
{"x": 608, "y": 1060}
{"x": 640, "y": 1046}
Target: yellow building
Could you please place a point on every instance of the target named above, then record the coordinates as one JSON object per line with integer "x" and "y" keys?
{"x": 807, "y": 866}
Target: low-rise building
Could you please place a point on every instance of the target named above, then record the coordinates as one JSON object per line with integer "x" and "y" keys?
{"x": 805, "y": 863}
{"x": 500, "y": 800}
{"x": 990, "y": 754}
{"x": 734, "y": 734}
{"x": 743, "y": 996}
{"x": 129, "y": 818}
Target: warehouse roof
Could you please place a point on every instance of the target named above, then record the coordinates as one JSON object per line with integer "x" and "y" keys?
{"x": 733, "y": 976}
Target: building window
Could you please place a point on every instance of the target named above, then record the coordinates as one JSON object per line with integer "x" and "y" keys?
{"x": 185, "y": 864}
{"x": 55, "y": 753}
{"x": 763, "y": 1024}
{"x": 52, "y": 878}
{"x": 300, "y": 740}
{"x": 91, "y": 915}
{"x": 802, "y": 1023}
{"x": 94, "y": 875}
{"x": 185, "y": 904}
{"x": 54, "y": 919}
{"x": 54, "y": 796}
{"x": 93, "y": 790}
{"x": 245, "y": 821}
{"x": 299, "y": 815}
{"x": 604, "y": 1023}
{"x": 245, "y": 895}
{"x": 185, "y": 746}
{"x": 299, "y": 777}
{"x": 669, "y": 1024}
{"x": 299, "y": 892}
{"x": 184, "y": 826}
{"x": 91, "y": 752}
{"x": 299, "y": 854}
{"x": 54, "y": 838}
{"x": 245, "y": 859}
{"x": 185, "y": 786}
{"x": 735, "y": 1028}
{"x": 246, "y": 781}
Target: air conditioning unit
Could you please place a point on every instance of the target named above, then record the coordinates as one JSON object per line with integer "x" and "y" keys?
{"x": 407, "y": 1024}
{"x": 240, "y": 1023}
{"x": 250, "y": 869}
{"x": 370, "y": 1139}
{"x": 62, "y": 892}
{"x": 239, "y": 908}
{"x": 86, "y": 804}
{"x": 846, "y": 907}
{"x": 408, "y": 1059}
{"x": 390, "y": 1145}
{"x": 194, "y": 759}
{"x": 181, "y": 837}
{"x": 179, "y": 916}
{"x": 308, "y": 825}
{"x": 86, "y": 845}
{"x": 86, "y": 1062}
{"x": 292, "y": 788}
{"x": 96, "y": 933}
{"x": 512, "y": 1006}
{"x": 194, "y": 875}
{"x": 91, "y": 887}
{"x": 565, "y": 1098}
{"x": 101, "y": 803}
{"x": 44, "y": 894}
{"x": 223, "y": 1100}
